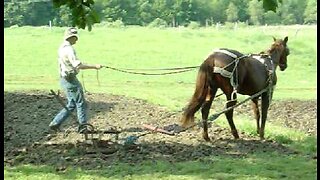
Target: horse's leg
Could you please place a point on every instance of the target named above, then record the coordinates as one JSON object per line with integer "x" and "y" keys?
{"x": 264, "y": 112}
{"x": 229, "y": 115}
{"x": 256, "y": 112}
{"x": 205, "y": 112}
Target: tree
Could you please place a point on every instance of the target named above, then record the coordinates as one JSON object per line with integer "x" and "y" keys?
{"x": 256, "y": 12}
{"x": 232, "y": 13}
{"x": 63, "y": 17}
{"x": 13, "y": 14}
{"x": 84, "y": 15}
{"x": 310, "y": 13}
{"x": 271, "y": 17}
{"x": 270, "y": 5}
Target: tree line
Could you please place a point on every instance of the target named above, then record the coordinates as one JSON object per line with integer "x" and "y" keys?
{"x": 158, "y": 12}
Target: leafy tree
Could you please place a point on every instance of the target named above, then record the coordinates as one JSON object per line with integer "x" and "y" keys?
{"x": 82, "y": 12}
{"x": 144, "y": 11}
{"x": 270, "y": 5}
{"x": 232, "y": 13}
{"x": 296, "y": 8}
{"x": 13, "y": 14}
{"x": 201, "y": 11}
{"x": 183, "y": 12}
{"x": 218, "y": 13}
{"x": 84, "y": 15}
{"x": 290, "y": 12}
{"x": 256, "y": 12}
{"x": 242, "y": 6}
{"x": 63, "y": 17}
{"x": 38, "y": 13}
{"x": 289, "y": 19}
{"x": 271, "y": 17}
{"x": 310, "y": 13}
{"x": 158, "y": 23}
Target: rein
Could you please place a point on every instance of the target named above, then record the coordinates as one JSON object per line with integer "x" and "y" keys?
{"x": 133, "y": 71}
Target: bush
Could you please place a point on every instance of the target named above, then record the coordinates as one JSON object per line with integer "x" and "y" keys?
{"x": 158, "y": 23}
{"x": 118, "y": 24}
{"x": 229, "y": 25}
{"x": 242, "y": 25}
{"x": 194, "y": 25}
{"x": 289, "y": 19}
{"x": 114, "y": 24}
{"x": 271, "y": 17}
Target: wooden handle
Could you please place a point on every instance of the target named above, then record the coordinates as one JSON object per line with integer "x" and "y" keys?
{"x": 156, "y": 129}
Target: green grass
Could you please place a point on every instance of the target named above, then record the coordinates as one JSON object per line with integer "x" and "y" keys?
{"x": 255, "y": 166}
{"x": 31, "y": 63}
{"x": 31, "y": 59}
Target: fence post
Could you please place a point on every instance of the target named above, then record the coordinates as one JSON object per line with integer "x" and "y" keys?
{"x": 50, "y": 24}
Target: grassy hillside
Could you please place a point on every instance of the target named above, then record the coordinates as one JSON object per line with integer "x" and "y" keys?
{"x": 31, "y": 59}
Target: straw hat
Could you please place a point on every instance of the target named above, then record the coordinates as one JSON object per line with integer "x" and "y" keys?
{"x": 71, "y": 32}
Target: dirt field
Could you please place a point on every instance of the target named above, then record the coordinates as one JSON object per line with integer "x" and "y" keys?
{"x": 27, "y": 139}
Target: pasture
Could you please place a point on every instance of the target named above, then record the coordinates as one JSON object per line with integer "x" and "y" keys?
{"x": 128, "y": 100}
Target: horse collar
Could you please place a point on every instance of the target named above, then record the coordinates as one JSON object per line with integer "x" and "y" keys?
{"x": 262, "y": 59}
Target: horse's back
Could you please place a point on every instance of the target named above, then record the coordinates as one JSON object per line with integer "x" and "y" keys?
{"x": 252, "y": 73}
{"x": 222, "y": 56}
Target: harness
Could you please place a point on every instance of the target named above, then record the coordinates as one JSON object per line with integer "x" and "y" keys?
{"x": 233, "y": 75}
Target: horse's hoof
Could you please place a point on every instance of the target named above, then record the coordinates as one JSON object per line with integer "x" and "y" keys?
{"x": 206, "y": 138}
{"x": 236, "y": 136}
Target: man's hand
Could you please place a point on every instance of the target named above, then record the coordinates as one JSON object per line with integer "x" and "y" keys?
{"x": 98, "y": 66}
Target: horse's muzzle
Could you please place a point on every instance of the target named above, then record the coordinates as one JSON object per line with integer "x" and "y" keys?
{"x": 283, "y": 66}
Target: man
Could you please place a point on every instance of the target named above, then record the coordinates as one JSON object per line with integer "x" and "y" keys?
{"x": 69, "y": 66}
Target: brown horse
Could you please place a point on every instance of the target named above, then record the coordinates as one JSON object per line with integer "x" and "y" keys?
{"x": 234, "y": 72}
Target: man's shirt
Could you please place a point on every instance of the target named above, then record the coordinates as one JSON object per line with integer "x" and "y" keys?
{"x": 68, "y": 61}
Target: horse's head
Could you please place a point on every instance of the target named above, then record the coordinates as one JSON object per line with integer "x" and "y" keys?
{"x": 279, "y": 52}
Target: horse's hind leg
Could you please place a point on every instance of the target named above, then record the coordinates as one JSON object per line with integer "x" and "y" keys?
{"x": 205, "y": 112}
{"x": 229, "y": 115}
{"x": 264, "y": 112}
{"x": 256, "y": 112}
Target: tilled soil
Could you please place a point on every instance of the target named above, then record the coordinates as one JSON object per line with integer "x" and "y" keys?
{"x": 27, "y": 139}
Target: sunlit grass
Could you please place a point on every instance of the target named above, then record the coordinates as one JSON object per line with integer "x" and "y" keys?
{"x": 30, "y": 63}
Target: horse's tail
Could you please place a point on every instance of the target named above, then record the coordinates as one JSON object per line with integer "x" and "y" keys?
{"x": 199, "y": 96}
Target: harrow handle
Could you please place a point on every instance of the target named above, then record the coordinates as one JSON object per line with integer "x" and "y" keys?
{"x": 156, "y": 129}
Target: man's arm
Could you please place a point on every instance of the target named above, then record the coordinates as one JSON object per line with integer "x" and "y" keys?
{"x": 77, "y": 63}
{"x": 88, "y": 66}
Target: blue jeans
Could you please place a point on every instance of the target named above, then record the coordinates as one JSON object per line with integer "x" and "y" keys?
{"x": 74, "y": 93}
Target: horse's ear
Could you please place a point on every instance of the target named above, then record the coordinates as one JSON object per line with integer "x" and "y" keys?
{"x": 274, "y": 39}
{"x": 285, "y": 40}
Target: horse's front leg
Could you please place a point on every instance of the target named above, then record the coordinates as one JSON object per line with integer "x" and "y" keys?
{"x": 229, "y": 115}
{"x": 256, "y": 112}
{"x": 265, "y": 102}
